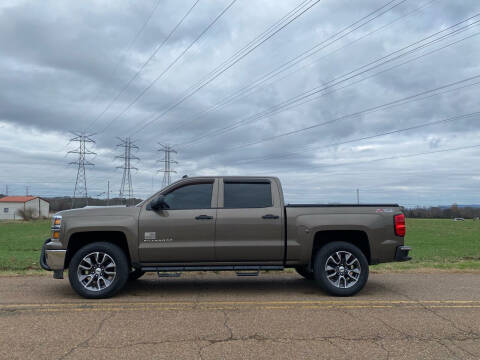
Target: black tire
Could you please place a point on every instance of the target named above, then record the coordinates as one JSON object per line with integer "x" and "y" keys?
{"x": 320, "y": 271}
{"x": 305, "y": 272}
{"x": 122, "y": 270}
{"x": 135, "y": 274}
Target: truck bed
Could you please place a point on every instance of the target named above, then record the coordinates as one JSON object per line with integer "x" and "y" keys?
{"x": 372, "y": 222}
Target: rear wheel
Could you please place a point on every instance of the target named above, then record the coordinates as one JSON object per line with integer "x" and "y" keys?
{"x": 341, "y": 268}
{"x": 305, "y": 272}
{"x": 98, "y": 270}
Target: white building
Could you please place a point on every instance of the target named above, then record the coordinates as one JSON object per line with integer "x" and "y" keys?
{"x": 10, "y": 205}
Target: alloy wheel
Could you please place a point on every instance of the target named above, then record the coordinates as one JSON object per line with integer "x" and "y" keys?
{"x": 343, "y": 269}
{"x": 96, "y": 271}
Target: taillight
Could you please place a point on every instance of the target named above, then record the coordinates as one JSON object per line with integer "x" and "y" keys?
{"x": 400, "y": 228}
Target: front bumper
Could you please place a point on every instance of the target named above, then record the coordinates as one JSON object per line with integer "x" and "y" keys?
{"x": 402, "y": 253}
{"x": 52, "y": 260}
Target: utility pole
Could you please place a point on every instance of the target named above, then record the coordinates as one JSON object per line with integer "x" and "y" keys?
{"x": 6, "y": 189}
{"x": 358, "y": 196}
{"x": 126, "y": 188}
{"x": 26, "y": 190}
{"x": 108, "y": 192}
{"x": 81, "y": 183}
{"x": 167, "y": 162}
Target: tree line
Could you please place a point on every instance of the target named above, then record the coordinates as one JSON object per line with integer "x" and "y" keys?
{"x": 433, "y": 212}
{"x": 443, "y": 212}
{"x": 65, "y": 203}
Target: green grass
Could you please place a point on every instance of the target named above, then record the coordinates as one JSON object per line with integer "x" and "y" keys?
{"x": 20, "y": 244}
{"x": 441, "y": 244}
{"x": 438, "y": 244}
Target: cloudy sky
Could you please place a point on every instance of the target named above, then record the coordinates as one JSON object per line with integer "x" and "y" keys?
{"x": 331, "y": 96}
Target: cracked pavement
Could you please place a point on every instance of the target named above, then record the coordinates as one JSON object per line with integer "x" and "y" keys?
{"x": 215, "y": 316}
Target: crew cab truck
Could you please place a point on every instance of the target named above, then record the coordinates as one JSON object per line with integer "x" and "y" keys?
{"x": 223, "y": 223}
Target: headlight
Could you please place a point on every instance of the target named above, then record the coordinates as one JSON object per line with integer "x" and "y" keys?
{"x": 56, "y": 222}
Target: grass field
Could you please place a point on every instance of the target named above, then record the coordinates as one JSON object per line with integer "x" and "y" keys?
{"x": 20, "y": 244}
{"x": 442, "y": 244}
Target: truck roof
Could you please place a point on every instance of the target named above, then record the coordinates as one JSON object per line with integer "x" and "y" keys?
{"x": 231, "y": 177}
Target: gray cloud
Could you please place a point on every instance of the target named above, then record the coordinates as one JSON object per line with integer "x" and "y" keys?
{"x": 62, "y": 63}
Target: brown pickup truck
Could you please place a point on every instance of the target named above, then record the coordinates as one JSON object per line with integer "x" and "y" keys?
{"x": 239, "y": 224}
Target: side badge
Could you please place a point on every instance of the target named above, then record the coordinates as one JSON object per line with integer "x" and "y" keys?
{"x": 384, "y": 210}
{"x": 150, "y": 236}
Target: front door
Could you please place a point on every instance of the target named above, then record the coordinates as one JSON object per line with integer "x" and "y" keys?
{"x": 183, "y": 232}
{"x": 249, "y": 225}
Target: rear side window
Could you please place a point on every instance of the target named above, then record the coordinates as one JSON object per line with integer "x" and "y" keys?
{"x": 247, "y": 195}
{"x": 194, "y": 196}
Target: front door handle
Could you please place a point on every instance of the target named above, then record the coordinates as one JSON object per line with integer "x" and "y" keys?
{"x": 203, "y": 217}
{"x": 270, "y": 216}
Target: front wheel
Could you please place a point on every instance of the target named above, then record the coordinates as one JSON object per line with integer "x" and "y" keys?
{"x": 341, "y": 268}
{"x": 98, "y": 270}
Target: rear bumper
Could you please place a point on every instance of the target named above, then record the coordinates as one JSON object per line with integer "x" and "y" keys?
{"x": 402, "y": 253}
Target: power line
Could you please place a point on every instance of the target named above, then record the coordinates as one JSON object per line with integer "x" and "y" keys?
{"x": 128, "y": 48}
{"x": 81, "y": 182}
{"x": 405, "y": 156}
{"x": 296, "y": 101}
{"x": 299, "y": 58}
{"x": 142, "y": 67}
{"x": 386, "y": 133}
{"x": 167, "y": 161}
{"x": 308, "y": 95}
{"x": 270, "y": 31}
{"x": 326, "y": 172}
{"x": 217, "y": 74}
{"x": 384, "y": 106}
{"x": 126, "y": 188}
{"x": 262, "y": 37}
{"x": 149, "y": 86}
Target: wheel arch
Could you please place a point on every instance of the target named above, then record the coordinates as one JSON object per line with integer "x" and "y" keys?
{"x": 358, "y": 238}
{"x": 79, "y": 239}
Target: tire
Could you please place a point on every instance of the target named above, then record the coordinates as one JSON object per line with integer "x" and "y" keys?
{"x": 305, "y": 272}
{"x": 335, "y": 271}
{"x": 95, "y": 262}
{"x": 135, "y": 274}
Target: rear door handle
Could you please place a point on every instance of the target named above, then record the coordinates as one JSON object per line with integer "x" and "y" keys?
{"x": 270, "y": 216}
{"x": 203, "y": 217}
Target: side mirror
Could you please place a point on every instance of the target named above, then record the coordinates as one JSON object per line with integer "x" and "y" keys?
{"x": 158, "y": 203}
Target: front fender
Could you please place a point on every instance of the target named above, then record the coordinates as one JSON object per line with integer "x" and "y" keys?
{"x": 128, "y": 225}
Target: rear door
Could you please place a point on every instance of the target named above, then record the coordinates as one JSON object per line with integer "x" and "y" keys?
{"x": 185, "y": 232}
{"x": 249, "y": 222}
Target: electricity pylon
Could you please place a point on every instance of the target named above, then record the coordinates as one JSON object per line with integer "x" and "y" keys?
{"x": 126, "y": 188}
{"x": 167, "y": 162}
{"x": 80, "y": 190}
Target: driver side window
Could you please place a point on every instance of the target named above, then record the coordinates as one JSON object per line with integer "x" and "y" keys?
{"x": 194, "y": 196}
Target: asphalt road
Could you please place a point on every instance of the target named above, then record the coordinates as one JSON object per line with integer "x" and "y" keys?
{"x": 215, "y": 316}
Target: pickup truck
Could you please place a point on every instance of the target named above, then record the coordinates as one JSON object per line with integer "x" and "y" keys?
{"x": 239, "y": 224}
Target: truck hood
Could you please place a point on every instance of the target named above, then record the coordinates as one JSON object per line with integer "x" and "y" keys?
{"x": 101, "y": 211}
